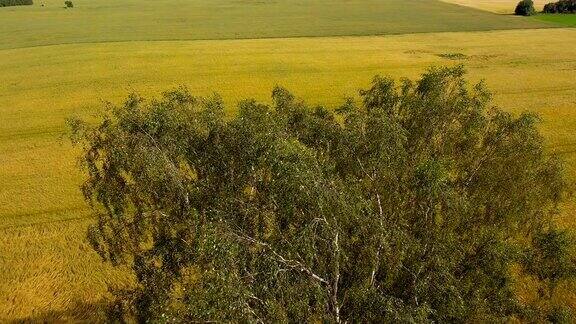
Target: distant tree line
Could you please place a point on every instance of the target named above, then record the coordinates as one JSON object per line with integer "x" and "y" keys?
{"x": 562, "y": 6}
{"x": 419, "y": 202}
{"x": 9, "y": 3}
{"x": 526, "y": 7}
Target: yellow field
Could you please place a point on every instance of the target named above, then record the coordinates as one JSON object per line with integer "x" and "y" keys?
{"x": 46, "y": 268}
{"x": 498, "y": 6}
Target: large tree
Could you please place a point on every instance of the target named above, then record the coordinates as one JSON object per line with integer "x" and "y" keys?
{"x": 562, "y": 6}
{"x": 525, "y": 8}
{"x": 411, "y": 204}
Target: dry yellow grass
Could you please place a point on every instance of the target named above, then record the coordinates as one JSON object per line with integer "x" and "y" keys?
{"x": 498, "y": 6}
{"x": 46, "y": 268}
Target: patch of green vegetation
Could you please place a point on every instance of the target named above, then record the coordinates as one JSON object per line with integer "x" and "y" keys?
{"x": 562, "y": 6}
{"x": 525, "y": 8}
{"x": 561, "y": 19}
{"x": 128, "y": 20}
{"x": 10, "y": 3}
{"x": 453, "y": 56}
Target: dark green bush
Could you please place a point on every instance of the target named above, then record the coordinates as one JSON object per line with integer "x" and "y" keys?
{"x": 9, "y": 3}
{"x": 561, "y": 315}
{"x": 525, "y": 8}
{"x": 562, "y": 6}
{"x": 551, "y": 257}
{"x": 68, "y": 4}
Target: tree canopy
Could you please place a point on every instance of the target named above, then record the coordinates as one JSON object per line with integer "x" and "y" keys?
{"x": 562, "y": 6}
{"x": 410, "y": 204}
{"x": 525, "y": 8}
{"x": 9, "y": 3}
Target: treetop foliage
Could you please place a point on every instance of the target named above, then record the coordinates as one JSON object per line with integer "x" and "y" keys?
{"x": 562, "y": 6}
{"x": 525, "y": 8}
{"x": 409, "y": 205}
{"x": 9, "y": 3}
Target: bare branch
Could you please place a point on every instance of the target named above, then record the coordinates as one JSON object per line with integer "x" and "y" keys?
{"x": 381, "y": 214}
{"x": 336, "y": 279}
{"x": 293, "y": 264}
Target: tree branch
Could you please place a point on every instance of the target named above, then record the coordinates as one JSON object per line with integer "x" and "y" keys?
{"x": 293, "y": 264}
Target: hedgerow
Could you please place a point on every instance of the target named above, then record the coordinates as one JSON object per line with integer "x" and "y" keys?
{"x": 562, "y": 6}
{"x": 10, "y": 3}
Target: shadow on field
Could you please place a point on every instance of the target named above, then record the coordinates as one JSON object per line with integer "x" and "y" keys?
{"x": 77, "y": 312}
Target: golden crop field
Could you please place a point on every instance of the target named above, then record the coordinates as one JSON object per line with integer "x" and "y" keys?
{"x": 498, "y": 6}
{"x": 46, "y": 265}
{"x": 506, "y": 8}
